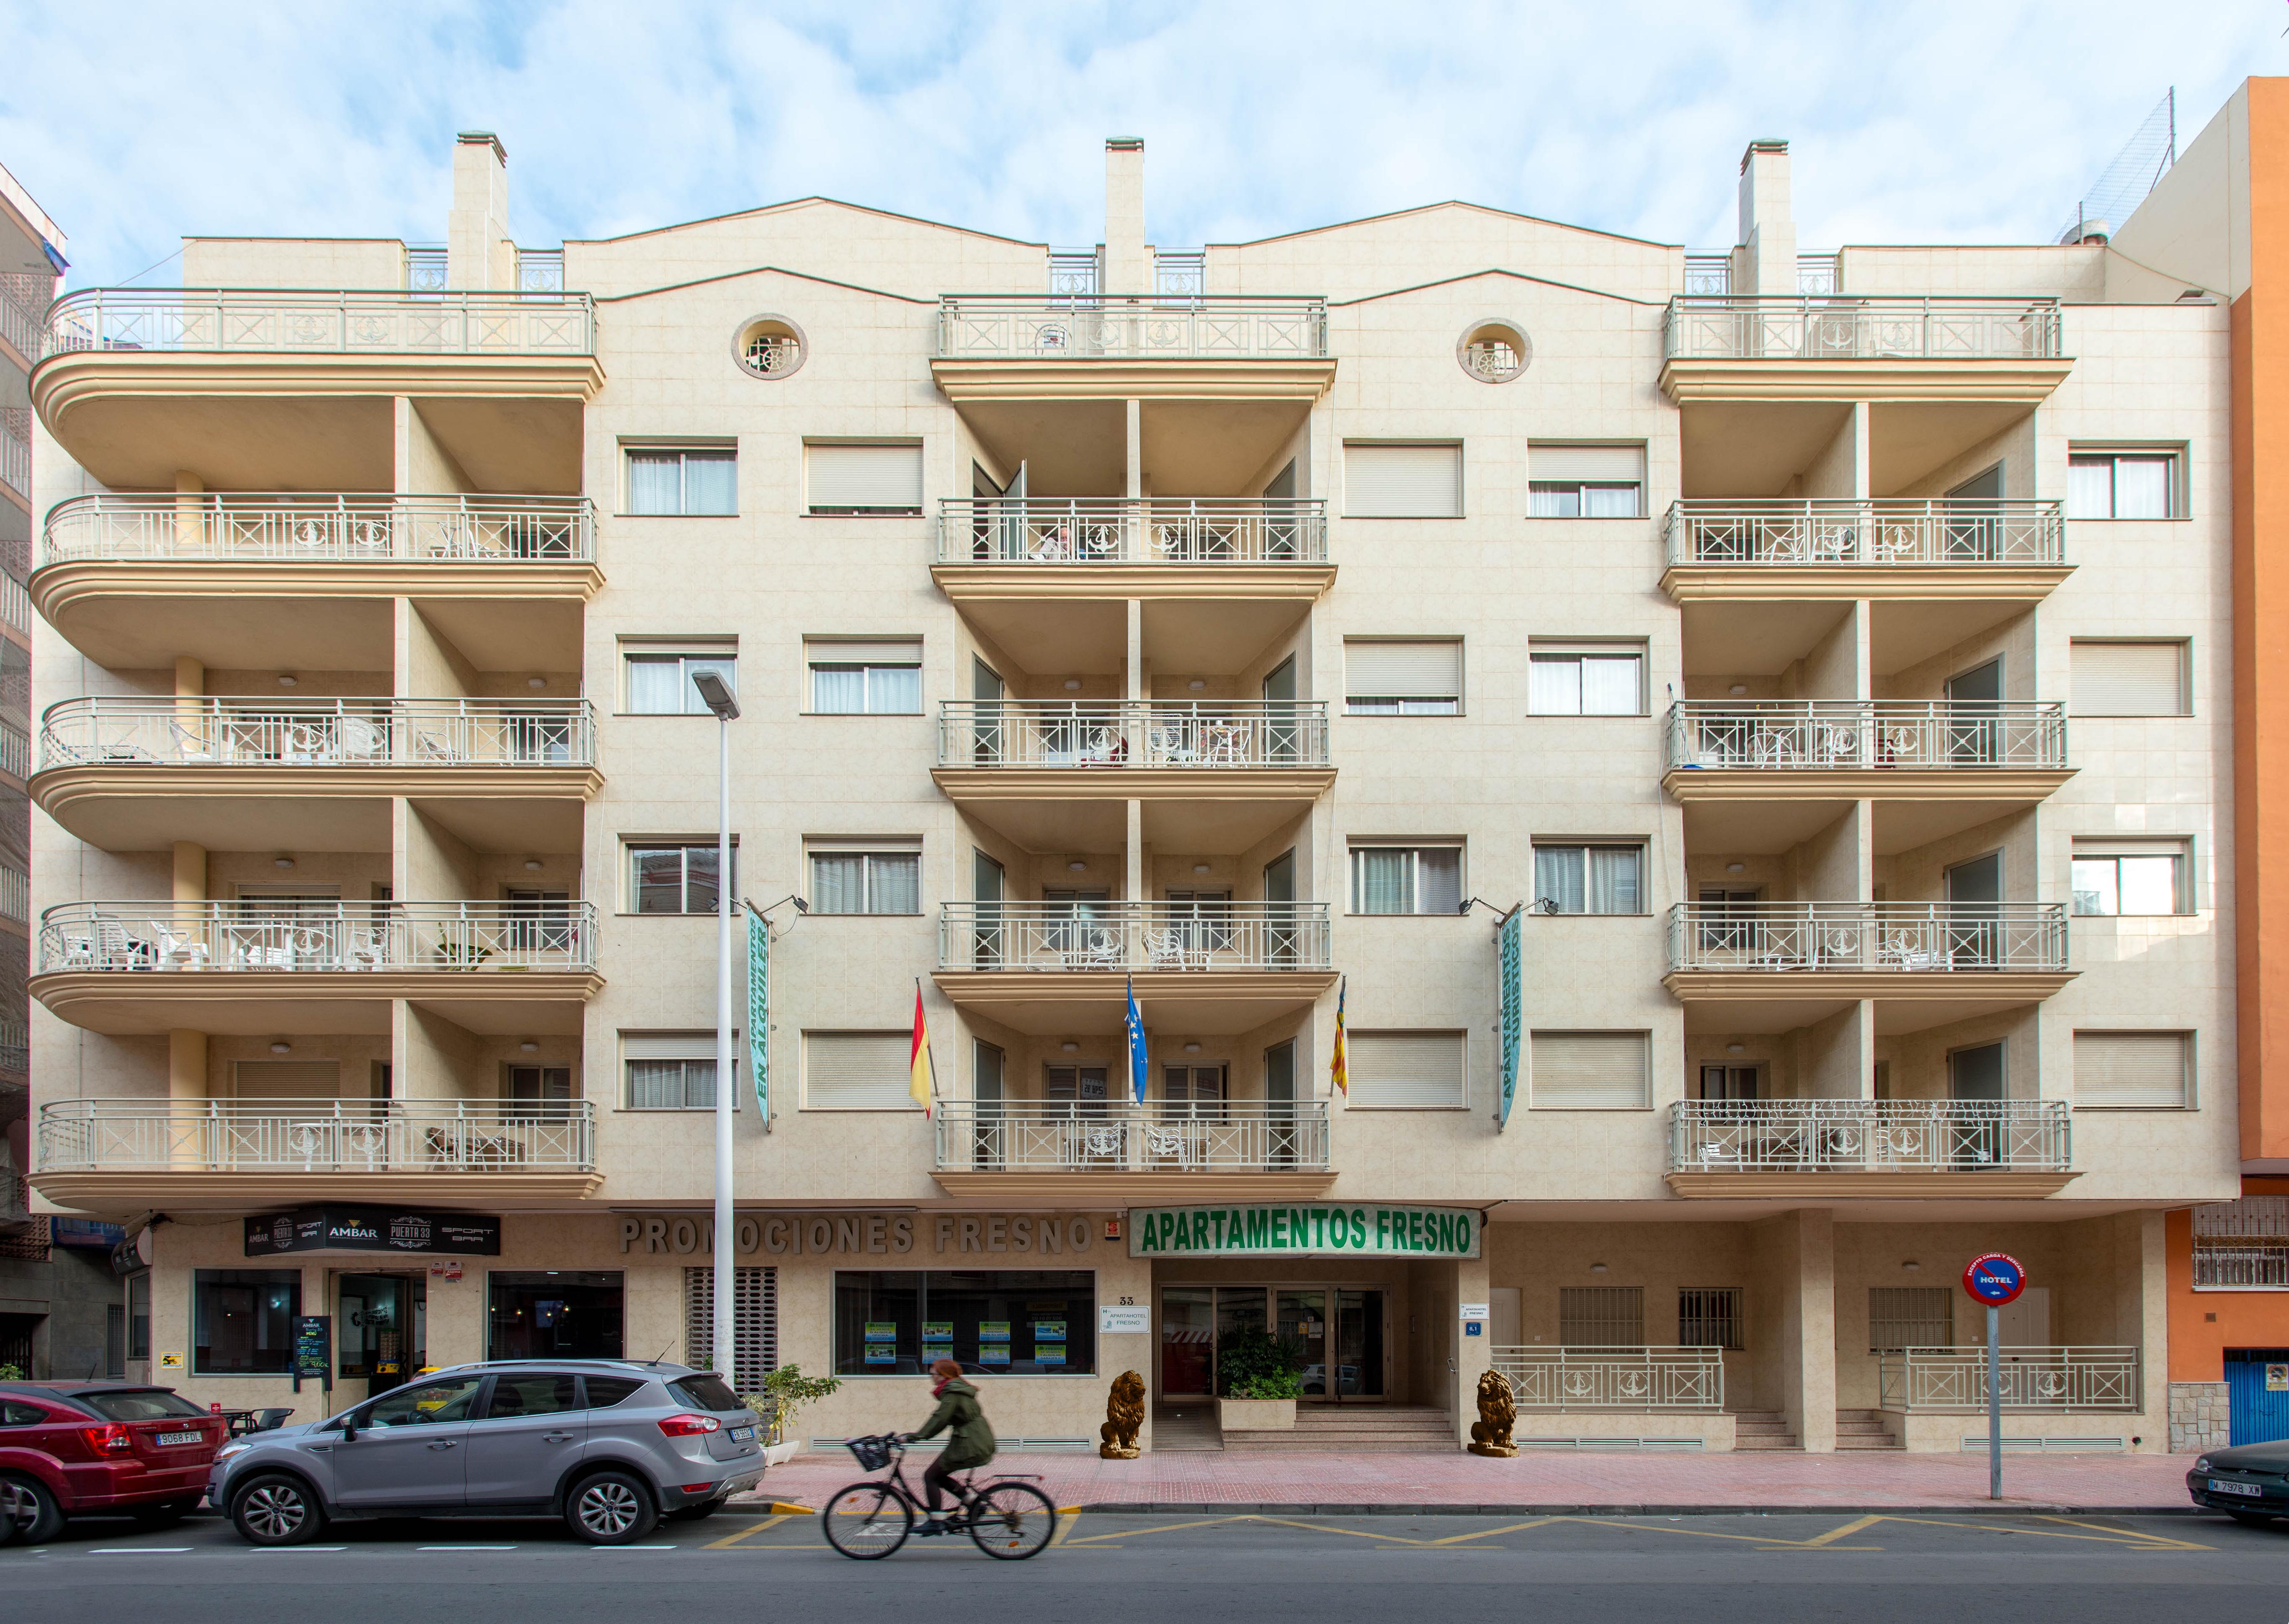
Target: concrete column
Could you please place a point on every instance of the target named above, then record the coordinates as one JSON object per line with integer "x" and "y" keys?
{"x": 1473, "y": 1355}
{"x": 190, "y": 872}
{"x": 1135, "y": 487}
{"x": 190, "y": 712}
{"x": 186, "y": 1067}
{"x": 1126, "y": 263}
{"x": 190, "y": 529}
{"x": 1804, "y": 1272}
{"x": 1134, "y": 880}
{"x": 1768, "y": 226}
{"x": 479, "y": 251}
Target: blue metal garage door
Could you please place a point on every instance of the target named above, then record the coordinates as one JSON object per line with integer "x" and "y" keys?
{"x": 2257, "y": 1394}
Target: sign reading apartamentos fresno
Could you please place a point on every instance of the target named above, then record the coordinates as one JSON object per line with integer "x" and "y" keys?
{"x": 1314, "y": 1228}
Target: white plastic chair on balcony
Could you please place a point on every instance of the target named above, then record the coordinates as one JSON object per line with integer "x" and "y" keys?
{"x": 1176, "y": 949}
{"x": 1908, "y": 949}
{"x": 366, "y": 949}
{"x": 1092, "y": 948}
{"x": 1171, "y": 744}
{"x": 194, "y": 746}
{"x": 1774, "y": 749}
{"x": 361, "y": 740}
{"x": 1224, "y": 743}
{"x": 1181, "y": 1143}
{"x": 180, "y": 952}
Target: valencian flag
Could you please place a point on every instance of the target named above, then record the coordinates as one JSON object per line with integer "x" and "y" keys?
{"x": 1137, "y": 1070}
{"x": 1339, "y": 1063}
{"x": 924, "y": 1086}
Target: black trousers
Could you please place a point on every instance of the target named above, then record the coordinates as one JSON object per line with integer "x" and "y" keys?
{"x": 934, "y": 1477}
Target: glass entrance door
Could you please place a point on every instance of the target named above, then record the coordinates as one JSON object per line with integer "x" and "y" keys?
{"x": 1358, "y": 1351}
{"x": 377, "y": 1329}
{"x": 1302, "y": 1319}
{"x": 1187, "y": 1342}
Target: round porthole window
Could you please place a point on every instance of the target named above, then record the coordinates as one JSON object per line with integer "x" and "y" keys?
{"x": 769, "y": 345}
{"x": 1495, "y": 351}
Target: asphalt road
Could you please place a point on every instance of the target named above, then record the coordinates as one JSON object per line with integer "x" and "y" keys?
{"x": 1112, "y": 1570}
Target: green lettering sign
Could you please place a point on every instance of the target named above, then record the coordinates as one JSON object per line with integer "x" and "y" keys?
{"x": 1315, "y": 1229}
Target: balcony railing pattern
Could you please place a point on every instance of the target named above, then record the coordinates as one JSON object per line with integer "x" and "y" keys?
{"x": 2242, "y": 1245}
{"x": 1793, "y": 734}
{"x": 2057, "y": 1380}
{"x": 1848, "y": 328}
{"x": 1139, "y": 935}
{"x": 252, "y": 934}
{"x": 1627, "y": 1378}
{"x": 24, "y": 298}
{"x": 1031, "y": 1136}
{"x": 129, "y": 1135}
{"x": 1852, "y": 534}
{"x": 1112, "y": 530}
{"x": 1112, "y": 733}
{"x": 15, "y": 603}
{"x": 362, "y": 732}
{"x": 351, "y": 321}
{"x": 1889, "y": 936}
{"x": 1263, "y": 327}
{"x": 1871, "y": 1135}
{"x": 16, "y": 449}
{"x": 240, "y": 525}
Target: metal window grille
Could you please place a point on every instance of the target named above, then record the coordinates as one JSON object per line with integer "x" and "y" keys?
{"x": 2253, "y": 1217}
{"x": 1910, "y": 1317}
{"x": 1601, "y": 1316}
{"x": 754, "y": 1322}
{"x": 1708, "y": 1317}
{"x": 2244, "y": 1265}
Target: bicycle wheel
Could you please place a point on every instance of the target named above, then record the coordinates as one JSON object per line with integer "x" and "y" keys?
{"x": 1011, "y": 1520}
{"x": 866, "y": 1521}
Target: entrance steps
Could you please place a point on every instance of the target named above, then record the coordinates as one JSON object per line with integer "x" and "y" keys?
{"x": 1762, "y": 1429}
{"x": 1187, "y": 1426}
{"x": 1392, "y": 1429}
{"x": 1864, "y": 1429}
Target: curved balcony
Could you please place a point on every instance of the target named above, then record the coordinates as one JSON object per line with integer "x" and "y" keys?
{"x": 1906, "y": 1148}
{"x": 1041, "y": 1150}
{"x": 1848, "y": 346}
{"x": 1763, "y": 552}
{"x": 246, "y": 774}
{"x": 254, "y": 966}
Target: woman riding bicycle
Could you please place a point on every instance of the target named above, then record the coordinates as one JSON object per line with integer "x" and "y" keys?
{"x": 970, "y": 1443}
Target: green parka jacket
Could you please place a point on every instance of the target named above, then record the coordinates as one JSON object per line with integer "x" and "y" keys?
{"x": 972, "y": 1443}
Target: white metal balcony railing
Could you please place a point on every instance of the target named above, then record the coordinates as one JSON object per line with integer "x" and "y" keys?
{"x": 24, "y": 298}
{"x": 1233, "y": 1136}
{"x": 1133, "y": 327}
{"x": 349, "y": 322}
{"x": 360, "y": 732}
{"x": 15, "y": 1199}
{"x": 1889, "y": 935}
{"x": 16, "y": 449}
{"x": 129, "y": 1136}
{"x": 15, "y": 895}
{"x": 258, "y": 936}
{"x": 1711, "y": 275}
{"x": 246, "y": 525}
{"x": 1871, "y": 1135}
{"x": 1785, "y": 735}
{"x": 15, "y": 747}
{"x": 1845, "y": 534}
{"x": 1627, "y": 1378}
{"x": 15, "y": 603}
{"x": 1126, "y": 936}
{"x": 1114, "y": 530}
{"x": 15, "y": 1045}
{"x": 1113, "y": 733}
{"x": 1851, "y": 328}
{"x": 2057, "y": 1380}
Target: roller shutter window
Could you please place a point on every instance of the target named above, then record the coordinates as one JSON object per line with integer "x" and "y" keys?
{"x": 673, "y": 1070}
{"x": 1390, "y": 677}
{"x": 2133, "y": 1070}
{"x": 1586, "y": 482}
{"x": 1591, "y": 1071}
{"x": 1418, "y": 1071}
{"x": 865, "y": 479}
{"x": 858, "y": 1072}
{"x": 286, "y": 1079}
{"x": 1403, "y": 481}
{"x": 865, "y": 678}
{"x": 2129, "y": 679}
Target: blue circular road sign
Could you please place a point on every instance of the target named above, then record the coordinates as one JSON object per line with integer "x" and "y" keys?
{"x": 1996, "y": 1278}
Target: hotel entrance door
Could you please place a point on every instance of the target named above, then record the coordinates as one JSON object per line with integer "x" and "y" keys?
{"x": 1341, "y": 1329}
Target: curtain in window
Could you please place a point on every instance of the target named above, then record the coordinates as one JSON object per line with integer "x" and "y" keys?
{"x": 1614, "y": 879}
{"x": 655, "y": 684}
{"x": 2090, "y": 487}
{"x": 898, "y": 883}
{"x": 1555, "y": 501}
{"x": 659, "y": 880}
{"x": 838, "y": 882}
{"x": 838, "y": 690}
{"x": 1609, "y": 685}
{"x": 711, "y": 482}
{"x": 726, "y": 669}
{"x": 894, "y": 690}
{"x": 2142, "y": 487}
{"x": 1609, "y": 501}
{"x": 1554, "y": 686}
{"x": 1439, "y": 879}
{"x": 1385, "y": 877}
{"x": 655, "y": 482}
{"x": 656, "y": 1085}
{"x": 1558, "y": 875}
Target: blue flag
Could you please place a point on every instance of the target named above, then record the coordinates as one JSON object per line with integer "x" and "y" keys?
{"x": 1137, "y": 1069}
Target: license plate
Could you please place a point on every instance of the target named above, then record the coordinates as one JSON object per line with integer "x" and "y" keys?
{"x": 180, "y": 1437}
{"x": 742, "y": 1435}
{"x": 2219, "y": 1485}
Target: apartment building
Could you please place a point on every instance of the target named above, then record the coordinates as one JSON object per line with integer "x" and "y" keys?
{"x": 1743, "y": 742}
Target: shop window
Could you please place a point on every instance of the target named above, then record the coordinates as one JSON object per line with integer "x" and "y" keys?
{"x": 754, "y": 1322}
{"x": 1007, "y": 1322}
{"x": 243, "y": 1320}
{"x": 554, "y": 1314}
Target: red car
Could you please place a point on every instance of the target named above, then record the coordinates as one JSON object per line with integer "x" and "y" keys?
{"x": 102, "y": 1449}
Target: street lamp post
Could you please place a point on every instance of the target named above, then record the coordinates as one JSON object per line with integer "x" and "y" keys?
{"x": 717, "y": 693}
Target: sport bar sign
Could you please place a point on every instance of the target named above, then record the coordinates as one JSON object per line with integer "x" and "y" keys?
{"x": 1309, "y": 1229}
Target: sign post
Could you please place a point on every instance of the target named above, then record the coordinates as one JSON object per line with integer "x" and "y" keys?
{"x": 1994, "y": 1279}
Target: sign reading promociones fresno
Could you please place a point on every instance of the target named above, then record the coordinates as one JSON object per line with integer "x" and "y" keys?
{"x": 1309, "y": 1229}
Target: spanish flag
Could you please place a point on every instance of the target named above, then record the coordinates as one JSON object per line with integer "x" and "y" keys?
{"x": 923, "y": 1086}
{"x": 1339, "y": 1063}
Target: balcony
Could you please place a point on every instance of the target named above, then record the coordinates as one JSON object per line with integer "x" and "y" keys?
{"x": 1206, "y": 967}
{"x": 2044, "y": 1381}
{"x": 1953, "y": 960}
{"x": 1825, "y": 551}
{"x": 1113, "y": 327}
{"x": 1629, "y": 1380}
{"x": 1105, "y": 547}
{"x": 133, "y": 581}
{"x": 247, "y": 774}
{"x": 227, "y": 1156}
{"x": 16, "y": 449}
{"x": 1878, "y": 1148}
{"x": 1844, "y": 347}
{"x": 251, "y": 967}
{"x": 1243, "y": 1150}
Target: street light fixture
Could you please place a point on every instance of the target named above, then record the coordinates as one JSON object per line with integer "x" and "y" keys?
{"x": 717, "y": 694}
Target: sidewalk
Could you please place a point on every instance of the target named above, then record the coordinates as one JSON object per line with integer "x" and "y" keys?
{"x": 1559, "y": 1482}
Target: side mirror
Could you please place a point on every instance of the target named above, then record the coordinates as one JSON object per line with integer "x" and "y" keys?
{"x": 349, "y": 1428}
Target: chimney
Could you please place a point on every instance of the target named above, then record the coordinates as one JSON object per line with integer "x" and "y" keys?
{"x": 1765, "y": 259}
{"x": 1125, "y": 270}
{"x": 479, "y": 251}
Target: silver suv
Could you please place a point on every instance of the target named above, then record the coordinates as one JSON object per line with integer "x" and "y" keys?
{"x": 610, "y": 1445}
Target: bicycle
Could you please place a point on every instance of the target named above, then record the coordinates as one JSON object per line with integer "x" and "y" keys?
{"x": 1008, "y": 1517}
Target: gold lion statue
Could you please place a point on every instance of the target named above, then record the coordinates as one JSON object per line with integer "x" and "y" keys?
{"x": 1490, "y": 1433}
{"x": 1124, "y": 1414}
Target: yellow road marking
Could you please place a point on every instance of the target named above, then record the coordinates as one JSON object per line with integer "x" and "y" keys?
{"x": 1171, "y": 1528}
{"x": 1068, "y": 1519}
{"x": 748, "y": 1532}
{"x": 1833, "y": 1535}
{"x": 2103, "y": 1537}
{"x": 782, "y": 1508}
{"x": 2155, "y": 1540}
{"x": 1460, "y": 1539}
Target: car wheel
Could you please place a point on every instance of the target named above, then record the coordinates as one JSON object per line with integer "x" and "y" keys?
{"x": 276, "y": 1509}
{"x": 2251, "y": 1519}
{"x": 692, "y": 1514}
{"x": 611, "y": 1509}
{"x": 39, "y": 1515}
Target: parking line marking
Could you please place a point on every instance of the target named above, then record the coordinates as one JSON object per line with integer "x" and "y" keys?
{"x": 2102, "y": 1536}
{"x": 632, "y": 1547}
{"x": 1462, "y": 1539}
{"x": 139, "y": 1550}
{"x": 289, "y": 1550}
{"x": 1821, "y": 1541}
{"x": 1069, "y": 1519}
{"x": 2157, "y": 1542}
{"x": 437, "y": 1548}
{"x": 748, "y": 1532}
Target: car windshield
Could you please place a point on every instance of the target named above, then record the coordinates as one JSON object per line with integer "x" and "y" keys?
{"x": 704, "y": 1392}
{"x": 143, "y": 1404}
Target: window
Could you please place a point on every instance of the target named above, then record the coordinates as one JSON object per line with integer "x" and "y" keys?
{"x": 1407, "y": 879}
{"x": 2133, "y": 1070}
{"x": 675, "y": 878}
{"x": 673, "y": 1070}
{"x": 692, "y": 482}
{"x": 2129, "y": 679}
{"x": 1403, "y": 481}
{"x": 554, "y": 1314}
{"x": 2242, "y": 1245}
{"x": 1005, "y": 1322}
{"x": 1589, "y": 879}
{"x": 854, "y": 678}
{"x": 1590, "y": 682}
{"x": 1591, "y": 1071}
{"x": 2126, "y": 484}
{"x": 541, "y": 1092}
{"x": 661, "y": 685}
{"x": 858, "y": 1071}
{"x": 754, "y": 1322}
{"x": 1910, "y": 1317}
{"x": 535, "y": 1394}
{"x": 1384, "y": 678}
{"x": 1403, "y": 1071}
{"x": 1601, "y": 1316}
{"x": 425, "y": 1404}
{"x": 2117, "y": 877}
{"x": 1739, "y": 1082}
{"x": 243, "y": 1320}
{"x": 865, "y": 479}
{"x": 866, "y": 881}
{"x": 1708, "y": 1317}
{"x": 1586, "y": 482}
{"x": 604, "y": 1392}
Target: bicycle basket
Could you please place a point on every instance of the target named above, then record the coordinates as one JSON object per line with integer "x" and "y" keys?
{"x": 873, "y": 1453}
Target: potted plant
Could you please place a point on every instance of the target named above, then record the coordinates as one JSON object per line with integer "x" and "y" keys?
{"x": 1259, "y": 1378}
{"x": 787, "y": 1390}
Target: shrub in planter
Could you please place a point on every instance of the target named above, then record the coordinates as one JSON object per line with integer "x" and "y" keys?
{"x": 1249, "y": 1358}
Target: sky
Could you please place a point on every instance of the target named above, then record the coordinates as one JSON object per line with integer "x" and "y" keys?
{"x": 133, "y": 124}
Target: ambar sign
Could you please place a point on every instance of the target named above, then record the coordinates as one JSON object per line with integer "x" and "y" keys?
{"x": 1304, "y": 1230}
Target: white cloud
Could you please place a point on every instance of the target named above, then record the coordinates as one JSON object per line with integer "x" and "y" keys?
{"x": 1943, "y": 122}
